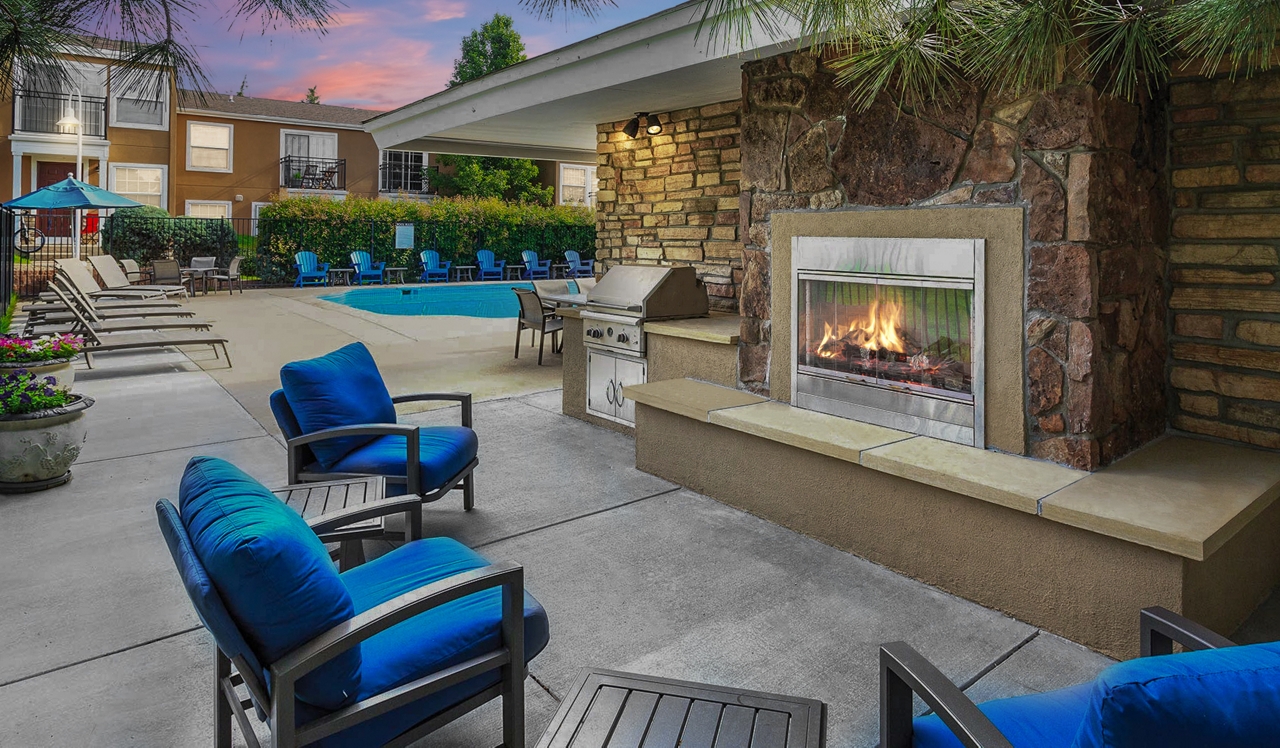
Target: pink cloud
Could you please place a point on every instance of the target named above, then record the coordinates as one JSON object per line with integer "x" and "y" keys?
{"x": 444, "y": 10}
{"x": 401, "y": 71}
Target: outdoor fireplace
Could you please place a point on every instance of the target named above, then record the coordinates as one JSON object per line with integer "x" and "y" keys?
{"x": 890, "y": 331}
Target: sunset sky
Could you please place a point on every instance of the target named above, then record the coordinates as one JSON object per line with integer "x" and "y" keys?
{"x": 379, "y": 54}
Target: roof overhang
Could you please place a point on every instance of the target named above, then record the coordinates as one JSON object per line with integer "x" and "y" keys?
{"x": 548, "y": 107}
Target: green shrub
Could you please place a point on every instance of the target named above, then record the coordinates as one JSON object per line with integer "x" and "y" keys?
{"x": 454, "y": 227}
{"x": 148, "y": 233}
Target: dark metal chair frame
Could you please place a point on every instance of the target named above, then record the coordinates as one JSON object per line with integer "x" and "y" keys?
{"x": 547, "y": 322}
{"x": 904, "y": 672}
{"x": 276, "y": 707}
{"x": 231, "y": 276}
{"x": 464, "y": 480}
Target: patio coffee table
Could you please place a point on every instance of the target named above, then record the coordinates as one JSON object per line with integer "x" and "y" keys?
{"x": 399, "y": 273}
{"x": 459, "y": 270}
{"x": 624, "y": 709}
{"x": 350, "y": 511}
{"x": 341, "y": 273}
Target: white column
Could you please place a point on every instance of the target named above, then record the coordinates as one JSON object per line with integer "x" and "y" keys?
{"x": 17, "y": 176}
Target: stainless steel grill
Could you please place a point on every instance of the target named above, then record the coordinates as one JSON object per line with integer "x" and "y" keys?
{"x": 630, "y": 295}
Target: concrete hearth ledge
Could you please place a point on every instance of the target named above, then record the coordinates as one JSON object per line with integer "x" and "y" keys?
{"x": 1180, "y": 495}
{"x": 718, "y": 328}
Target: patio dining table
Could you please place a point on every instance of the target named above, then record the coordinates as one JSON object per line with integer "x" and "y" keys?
{"x": 204, "y": 274}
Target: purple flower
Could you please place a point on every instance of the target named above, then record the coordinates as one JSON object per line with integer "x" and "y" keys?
{"x": 21, "y": 373}
{"x": 51, "y": 380}
{"x": 49, "y": 392}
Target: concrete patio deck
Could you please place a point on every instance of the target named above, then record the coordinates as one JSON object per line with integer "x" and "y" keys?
{"x": 637, "y": 574}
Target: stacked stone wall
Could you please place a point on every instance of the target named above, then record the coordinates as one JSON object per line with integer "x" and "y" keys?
{"x": 1086, "y": 168}
{"x": 672, "y": 198}
{"x": 1225, "y": 301}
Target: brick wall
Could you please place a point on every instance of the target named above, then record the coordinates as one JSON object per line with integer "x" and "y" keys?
{"x": 1087, "y": 169}
{"x": 1224, "y": 301}
{"x": 673, "y": 198}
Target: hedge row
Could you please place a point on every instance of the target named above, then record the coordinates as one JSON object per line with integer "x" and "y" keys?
{"x": 454, "y": 227}
{"x": 147, "y": 233}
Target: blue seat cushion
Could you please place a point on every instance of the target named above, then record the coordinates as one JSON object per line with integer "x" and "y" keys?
{"x": 443, "y": 452}
{"x": 342, "y": 388}
{"x": 1222, "y": 698}
{"x": 271, "y": 571}
{"x": 428, "y": 642}
{"x": 1040, "y": 720}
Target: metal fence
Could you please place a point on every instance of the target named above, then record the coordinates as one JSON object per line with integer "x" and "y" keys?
{"x": 266, "y": 246}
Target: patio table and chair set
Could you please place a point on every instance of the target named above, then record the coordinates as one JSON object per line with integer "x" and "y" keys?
{"x": 310, "y": 271}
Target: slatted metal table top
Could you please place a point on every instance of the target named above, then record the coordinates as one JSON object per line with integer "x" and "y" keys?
{"x": 314, "y": 500}
{"x": 609, "y": 709}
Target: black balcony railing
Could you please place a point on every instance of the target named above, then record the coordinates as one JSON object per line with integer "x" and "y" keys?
{"x": 408, "y": 178}
{"x": 300, "y": 173}
{"x": 39, "y": 111}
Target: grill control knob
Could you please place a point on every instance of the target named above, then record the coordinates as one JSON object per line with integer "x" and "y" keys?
{"x": 595, "y": 333}
{"x": 622, "y": 337}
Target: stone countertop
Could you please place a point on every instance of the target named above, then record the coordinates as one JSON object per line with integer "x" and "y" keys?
{"x": 1179, "y": 495}
{"x": 569, "y": 312}
{"x": 718, "y": 328}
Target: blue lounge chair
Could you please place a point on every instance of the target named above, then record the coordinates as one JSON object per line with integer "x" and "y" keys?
{"x": 1221, "y": 695}
{"x": 365, "y": 268}
{"x": 388, "y": 651}
{"x": 433, "y": 269}
{"x": 337, "y": 417}
{"x": 311, "y": 272}
{"x": 490, "y": 269}
{"x": 578, "y": 267}
{"x": 535, "y": 269}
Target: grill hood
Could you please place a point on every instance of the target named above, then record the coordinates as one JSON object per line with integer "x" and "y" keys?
{"x": 650, "y": 292}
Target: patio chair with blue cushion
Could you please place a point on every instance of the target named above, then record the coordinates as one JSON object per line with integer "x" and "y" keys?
{"x": 1218, "y": 695}
{"x": 433, "y": 269}
{"x": 578, "y": 267}
{"x": 382, "y": 654}
{"x": 490, "y": 268}
{"x": 365, "y": 268}
{"x": 535, "y": 269}
{"x": 311, "y": 271}
{"x": 338, "y": 419}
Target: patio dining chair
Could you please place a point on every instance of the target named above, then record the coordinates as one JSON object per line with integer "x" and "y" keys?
{"x": 578, "y": 267}
{"x": 133, "y": 271}
{"x": 536, "y": 318}
{"x": 1213, "y": 694}
{"x": 311, "y": 272}
{"x": 490, "y": 268}
{"x": 535, "y": 269}
{"x": 382, "y": 654}
{"x": 231, "y": 276}
{"x": 433, "y": 268}
{"x": 365, "y": 268}
{"x": 337, "y": 417}
{"x": 169, "y": 273}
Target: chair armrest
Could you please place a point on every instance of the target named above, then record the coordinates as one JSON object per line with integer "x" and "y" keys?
{"x": 380, "y": 508}
{"x": 323, "y": 267}
{"x": 903, "y": 672}
{"x": 461, "y": 397}
{"x": 412, "y": 465}
{"x": 1161, "y": 628}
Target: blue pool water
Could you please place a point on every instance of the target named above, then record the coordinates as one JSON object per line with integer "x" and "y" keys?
{"x": 492, "y": 300}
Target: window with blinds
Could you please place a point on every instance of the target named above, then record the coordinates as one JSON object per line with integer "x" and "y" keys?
{"x": 209, "y": 147}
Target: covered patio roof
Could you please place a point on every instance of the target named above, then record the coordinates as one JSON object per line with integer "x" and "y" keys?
{"x": 548, "y": 107}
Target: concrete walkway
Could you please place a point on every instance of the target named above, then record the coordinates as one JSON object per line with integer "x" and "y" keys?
{"x": 102, "y": 647}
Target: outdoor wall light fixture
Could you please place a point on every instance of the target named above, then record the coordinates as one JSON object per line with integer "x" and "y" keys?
{"x": 651, "y": 125}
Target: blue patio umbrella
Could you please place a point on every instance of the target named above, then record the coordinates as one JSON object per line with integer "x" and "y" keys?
{"x": 70, "y": 194}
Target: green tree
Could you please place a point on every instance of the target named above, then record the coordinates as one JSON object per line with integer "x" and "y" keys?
{"x": 312, "y": 97}
{"x": 493, "y": 46}
{"x": 150, "y": 34}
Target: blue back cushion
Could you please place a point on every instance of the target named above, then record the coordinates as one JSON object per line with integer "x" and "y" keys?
{"x": 271, "y": 571}
{"x": 1224, "y": 698}
{"x": 342, "y": 388}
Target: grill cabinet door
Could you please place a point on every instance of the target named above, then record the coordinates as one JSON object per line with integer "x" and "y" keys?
{"x": 600, "y": 384}
{"x": 627, "y": 371}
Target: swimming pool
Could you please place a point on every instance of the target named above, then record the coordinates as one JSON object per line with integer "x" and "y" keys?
{"x": 491, "y": 300}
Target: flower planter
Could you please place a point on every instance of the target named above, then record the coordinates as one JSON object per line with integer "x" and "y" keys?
{"x": 37, "y": 449}
{"x": 60, "y": 369}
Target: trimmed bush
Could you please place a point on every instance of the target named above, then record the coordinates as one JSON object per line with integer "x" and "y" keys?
{"x": 148, "y": 233}
{"x": 454, "y": 227}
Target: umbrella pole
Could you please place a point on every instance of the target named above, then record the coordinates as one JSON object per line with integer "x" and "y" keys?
{"x": 75, "y": 234}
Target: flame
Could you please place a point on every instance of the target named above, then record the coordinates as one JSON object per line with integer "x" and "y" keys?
{"x": 877, "y": 331}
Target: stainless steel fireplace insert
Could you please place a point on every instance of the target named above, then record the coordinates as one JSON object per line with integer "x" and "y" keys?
{"x": 890, "y": 331}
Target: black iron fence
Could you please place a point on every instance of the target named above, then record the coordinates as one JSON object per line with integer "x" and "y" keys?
{"x": 300, "y": 173}
{"x": 40, "y": 112}
{"x": 266, "y": 246}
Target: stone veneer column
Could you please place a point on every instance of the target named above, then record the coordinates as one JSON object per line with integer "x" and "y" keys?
{"x": 1085, "y": 167}
{"x": 673, "y": 198}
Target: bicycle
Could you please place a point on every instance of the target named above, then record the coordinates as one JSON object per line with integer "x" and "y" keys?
{"x": 27, "y": 239}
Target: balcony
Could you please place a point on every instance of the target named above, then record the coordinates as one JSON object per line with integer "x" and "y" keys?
{"x": 406, "y": 178}
{"x": 39, "y": 112}
{"x": 302, "y": 173}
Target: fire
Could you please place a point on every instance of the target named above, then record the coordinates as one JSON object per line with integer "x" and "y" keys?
{"x": 879, "y": 330}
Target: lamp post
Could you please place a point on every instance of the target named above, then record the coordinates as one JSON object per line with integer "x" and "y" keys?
{"x": 73, "y": 119}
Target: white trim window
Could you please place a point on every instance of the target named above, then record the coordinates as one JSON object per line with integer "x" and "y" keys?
{"x": 209, "y": 208}
{"x": 577, "y": 184}
{"x": 255, "y": 211}
{"x": 145, "y": 183}
{"x": 308, "y": 144}
{"x": 402, "y": 171}
{"x": 209, "y": 146}
{"x": 141, "y": 104}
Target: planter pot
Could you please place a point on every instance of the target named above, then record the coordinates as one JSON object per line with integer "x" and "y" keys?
{"x": 37, "y": 449}
{"x": 59, "y": 368}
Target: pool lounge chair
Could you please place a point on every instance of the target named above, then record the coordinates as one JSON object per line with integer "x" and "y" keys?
{"x": 55, "y": 310}
{"x": 89, "y": 286}
{"x": 114, "y": 278}
{"x": 74, "y": 321}
{"x": 535, "y": 269}
{"x": 365, "y": 268}
{"x": 433, "y": 268}
{"x": 490, "y": 268}
{"x": 578, "y": 267}
{"x": 96, "y": 342}
{"x": 311, "y": 271}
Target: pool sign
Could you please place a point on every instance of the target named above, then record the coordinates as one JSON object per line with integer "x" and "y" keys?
{"x": 404, "y": 236}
